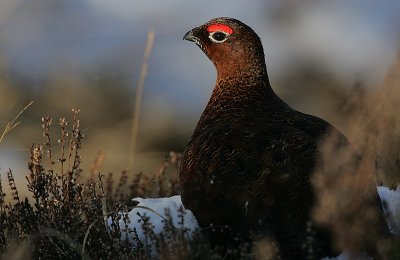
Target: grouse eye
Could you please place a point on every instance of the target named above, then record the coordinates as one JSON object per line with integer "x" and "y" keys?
{"x": 218, "y": 36}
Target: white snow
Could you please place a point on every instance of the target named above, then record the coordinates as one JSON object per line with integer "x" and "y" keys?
{"x": 391, "y": 202}
{"x": 391, "y": 199}
{"x": 347, "y": 256}
{"x": 153, "y": 208}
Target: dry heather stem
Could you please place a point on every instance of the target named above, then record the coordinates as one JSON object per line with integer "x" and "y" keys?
{"x": 346, "y": 178}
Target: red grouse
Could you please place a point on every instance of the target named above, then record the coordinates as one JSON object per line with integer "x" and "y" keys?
{"x": 249, "y": 161}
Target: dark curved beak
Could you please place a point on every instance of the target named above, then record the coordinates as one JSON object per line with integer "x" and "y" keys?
{"x": 189, "y": 36}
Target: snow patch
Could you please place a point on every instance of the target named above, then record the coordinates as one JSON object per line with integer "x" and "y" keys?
{"x": 158, "y": 207}
{"x": 391, "y": 205}
{"x": 347, "y": 256}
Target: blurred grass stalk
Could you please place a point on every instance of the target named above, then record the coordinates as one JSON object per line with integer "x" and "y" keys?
{"x": 138, "y": 98}
{"x": 13, "y": 124}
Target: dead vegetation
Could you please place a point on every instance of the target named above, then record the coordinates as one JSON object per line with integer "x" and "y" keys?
{"x": 347, "y": 175}
{"x": 65, "y": 217}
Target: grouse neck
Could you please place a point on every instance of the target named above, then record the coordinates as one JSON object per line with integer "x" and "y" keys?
{"x": 242, "y": 88}
{"x": 232, "y": 101}
{"x": 242, "y": 65}
{"x": 235, "y": 97}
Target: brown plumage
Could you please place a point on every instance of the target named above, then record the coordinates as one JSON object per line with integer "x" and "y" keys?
{"x": 249, "y": 161}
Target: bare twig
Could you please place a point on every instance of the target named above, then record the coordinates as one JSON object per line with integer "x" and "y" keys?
{"x": 138, "y": 97}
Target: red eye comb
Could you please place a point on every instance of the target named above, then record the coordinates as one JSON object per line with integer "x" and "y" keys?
{"x": 220, "y": 27}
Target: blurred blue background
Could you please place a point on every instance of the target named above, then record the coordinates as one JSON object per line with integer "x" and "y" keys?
{"x": 87, "y": 54}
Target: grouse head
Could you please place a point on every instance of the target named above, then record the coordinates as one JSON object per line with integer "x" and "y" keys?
{"x": 233, "y": 47}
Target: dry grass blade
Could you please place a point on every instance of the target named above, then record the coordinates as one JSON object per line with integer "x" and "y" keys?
{"x": 94, "y": 168}
{"x": 138, "y": 97}
{"x": 13, "y": 124}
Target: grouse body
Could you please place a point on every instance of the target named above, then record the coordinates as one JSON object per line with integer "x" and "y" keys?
{"x": 249, "y": 161}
